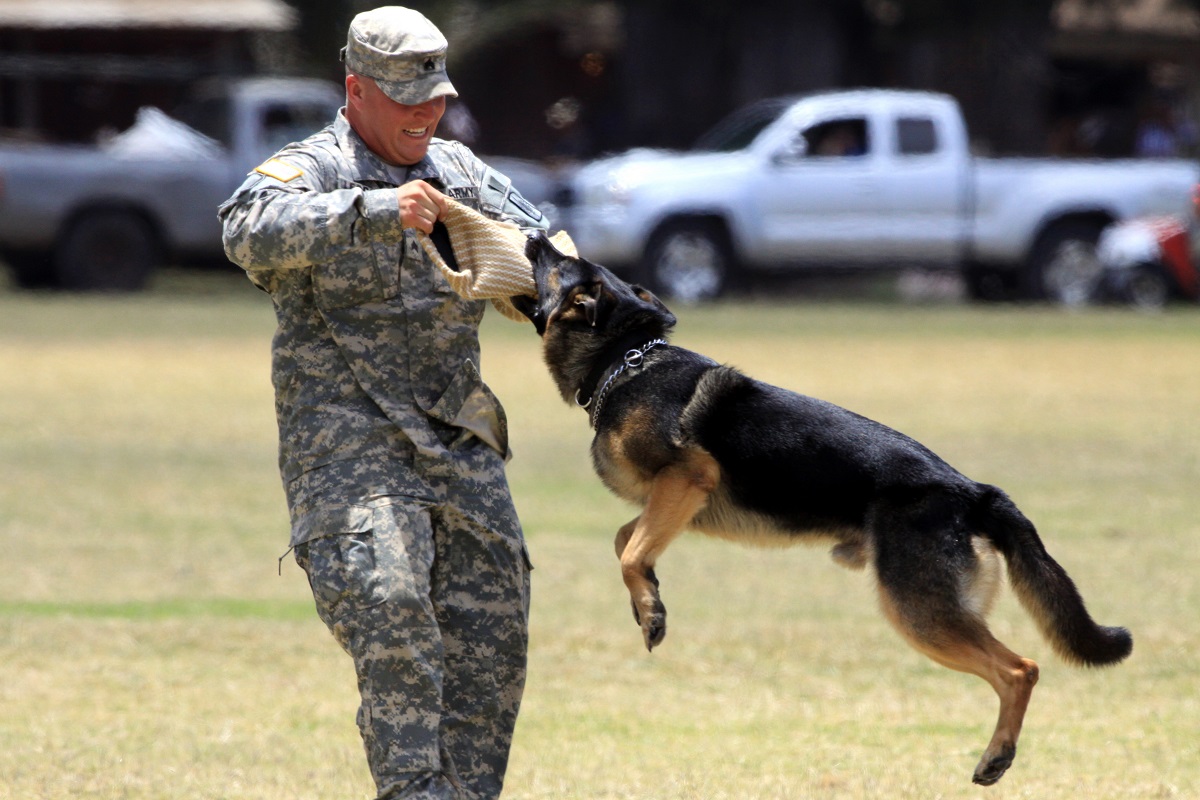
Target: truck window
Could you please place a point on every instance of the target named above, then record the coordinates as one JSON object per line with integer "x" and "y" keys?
{"x": 292, "y": 122}
{"x": 916, "y": 136}
{"x": 210, "y": 116}
{"x": 838, "y": 138}
{"x": 739, "y": 129}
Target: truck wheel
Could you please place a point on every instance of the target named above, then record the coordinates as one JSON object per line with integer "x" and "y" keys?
{"x": 688, "y": 261}
{"x": 107, "y": 249}
{"x": 1063, "y": 266}
{"x": 1147, "y": 288}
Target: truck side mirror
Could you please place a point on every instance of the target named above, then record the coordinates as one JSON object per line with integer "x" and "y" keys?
{"x": 792, "y": 152}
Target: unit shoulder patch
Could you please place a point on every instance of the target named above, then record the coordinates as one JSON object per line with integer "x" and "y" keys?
{"x": 279, "y": 170}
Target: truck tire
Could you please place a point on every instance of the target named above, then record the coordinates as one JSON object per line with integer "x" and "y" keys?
{"x": 1063, "y": 267}
{"x": 689, "y": 261}
{"x": 107, "y": 250}
{"x": 1147, "y": 288}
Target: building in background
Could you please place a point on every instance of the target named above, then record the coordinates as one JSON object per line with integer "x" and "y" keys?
{"x": 71, "y": 69}
{"x": 1069, "y": 77}
{"x": 581, "y": 77}
{"x": 1129, "y": 78}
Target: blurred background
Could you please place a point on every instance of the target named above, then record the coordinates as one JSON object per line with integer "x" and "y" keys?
{"x": 572, "y": 78}
{"x": 102, "y": 101}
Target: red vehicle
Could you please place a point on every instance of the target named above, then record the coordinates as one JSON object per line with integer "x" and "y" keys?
{"x": 1148, "y": 261}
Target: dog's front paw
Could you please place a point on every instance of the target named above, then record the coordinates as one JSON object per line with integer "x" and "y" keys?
{"x": 655, "y": 631}
{"x": 652, "y": 617}
{"x": 650, "y": 576}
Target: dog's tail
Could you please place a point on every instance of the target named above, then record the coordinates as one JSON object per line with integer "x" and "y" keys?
{"x": 1045, "y": 589}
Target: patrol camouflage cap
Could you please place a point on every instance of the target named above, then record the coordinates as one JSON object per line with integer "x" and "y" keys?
{"x": 402, "y": 51}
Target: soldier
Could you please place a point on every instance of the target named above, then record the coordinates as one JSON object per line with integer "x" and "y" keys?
{"x": 392, "y": 449}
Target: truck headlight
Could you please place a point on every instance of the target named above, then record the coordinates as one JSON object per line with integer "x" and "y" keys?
{"x": 606, "y": 193}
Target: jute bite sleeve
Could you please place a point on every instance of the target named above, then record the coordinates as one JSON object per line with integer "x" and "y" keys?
{"x": 491, "y": 258}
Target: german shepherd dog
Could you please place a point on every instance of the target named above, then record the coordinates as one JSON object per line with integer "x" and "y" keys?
{"x": 698, "y": 445}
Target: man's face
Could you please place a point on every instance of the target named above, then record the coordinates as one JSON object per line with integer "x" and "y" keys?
{"x": 397, "y": 133}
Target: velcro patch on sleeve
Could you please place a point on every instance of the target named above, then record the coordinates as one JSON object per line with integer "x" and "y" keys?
{"x": 279, "y": 170}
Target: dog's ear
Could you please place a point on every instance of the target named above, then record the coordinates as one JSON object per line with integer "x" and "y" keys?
{"x": 594, "y": 302}
{"x": 647, "y": 296}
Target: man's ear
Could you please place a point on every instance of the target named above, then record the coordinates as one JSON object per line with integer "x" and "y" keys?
{"x": 354, "y": 91}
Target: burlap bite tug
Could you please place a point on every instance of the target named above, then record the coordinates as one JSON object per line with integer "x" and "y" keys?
{"x": 491, "y": 258}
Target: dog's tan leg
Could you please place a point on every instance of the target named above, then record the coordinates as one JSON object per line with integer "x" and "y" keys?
{"x": 677, "y": 493}
{"x": 1012, "y": 678}
{"x": 971, "y": 648}
{"x": 623, "y": 535}
{"x": 619, "y": 544}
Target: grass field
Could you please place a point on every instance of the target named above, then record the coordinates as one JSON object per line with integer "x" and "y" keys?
{"x": 149, "y": 649}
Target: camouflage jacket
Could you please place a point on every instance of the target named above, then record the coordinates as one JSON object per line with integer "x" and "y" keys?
{"x": 375, "y": 359}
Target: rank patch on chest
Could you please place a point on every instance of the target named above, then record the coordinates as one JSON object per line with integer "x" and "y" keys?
{"x": 279, "y": 170}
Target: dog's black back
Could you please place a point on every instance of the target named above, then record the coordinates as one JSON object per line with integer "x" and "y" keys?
{"x": 808, "y": 463}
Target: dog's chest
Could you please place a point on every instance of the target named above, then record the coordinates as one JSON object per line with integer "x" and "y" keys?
{"x": 620, "y": 473}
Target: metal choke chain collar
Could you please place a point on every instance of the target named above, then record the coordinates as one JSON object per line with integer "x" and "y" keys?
{"x": 632, "y": 358}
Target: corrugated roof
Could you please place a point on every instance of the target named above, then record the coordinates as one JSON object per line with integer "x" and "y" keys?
{"x": 272, "y": 15}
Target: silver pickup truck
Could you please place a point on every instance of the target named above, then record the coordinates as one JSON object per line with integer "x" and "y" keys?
{"x": 105, "y": 216}
{"x": 872, "y": 179}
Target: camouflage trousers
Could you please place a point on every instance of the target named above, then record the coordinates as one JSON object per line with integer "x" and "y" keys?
{"x": 433, "y": 607}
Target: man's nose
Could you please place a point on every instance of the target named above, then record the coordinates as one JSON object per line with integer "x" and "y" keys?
{"x": 425, "y": 110}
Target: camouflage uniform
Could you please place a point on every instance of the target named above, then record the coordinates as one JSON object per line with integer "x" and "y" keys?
{"x": 392, "y": 453}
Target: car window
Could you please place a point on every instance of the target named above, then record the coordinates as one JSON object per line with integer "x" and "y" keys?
{"x": 839, "y": 138}
{"x": 916, "y": 136}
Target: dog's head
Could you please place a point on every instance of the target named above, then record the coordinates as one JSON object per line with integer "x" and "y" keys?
{"x": 575, "y": 293}
{"x": 581, "y": 308}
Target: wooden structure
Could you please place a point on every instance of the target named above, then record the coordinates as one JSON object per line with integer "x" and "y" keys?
{"x": 70, "y": 69}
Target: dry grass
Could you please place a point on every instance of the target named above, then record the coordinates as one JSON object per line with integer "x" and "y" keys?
{"x": 149, "y": 650}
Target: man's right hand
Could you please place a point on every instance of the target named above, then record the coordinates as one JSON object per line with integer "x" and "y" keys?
{"x": 421, "y": 205}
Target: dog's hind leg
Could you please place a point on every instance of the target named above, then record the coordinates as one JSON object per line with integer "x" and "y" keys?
{"x": 676, "y": 495}
{"x": 979, "y": 653}
{"x": 933, "y": 587}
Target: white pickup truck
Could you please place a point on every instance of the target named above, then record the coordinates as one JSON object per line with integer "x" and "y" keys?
{"x": 104, "y": 216}
{"x": 863, "y": 178}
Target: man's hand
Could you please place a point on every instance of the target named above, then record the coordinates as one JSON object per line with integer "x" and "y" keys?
{"x": 420, "y": 205}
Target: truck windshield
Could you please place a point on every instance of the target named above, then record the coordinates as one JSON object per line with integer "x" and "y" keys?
{"x": 740, "y": 128}
{"x": 210, "y": 116}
